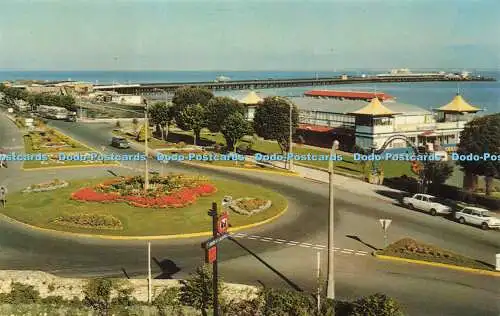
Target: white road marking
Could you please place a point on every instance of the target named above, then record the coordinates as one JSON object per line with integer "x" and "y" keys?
{"x": 303, "y": 244}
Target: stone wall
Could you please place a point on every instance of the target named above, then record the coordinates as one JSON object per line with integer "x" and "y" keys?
{"x": 51, "y": 285}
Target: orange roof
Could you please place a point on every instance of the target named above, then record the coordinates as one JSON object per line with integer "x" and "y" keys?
{"x": 374, "y": 108}
{"x": 348, "y": 94}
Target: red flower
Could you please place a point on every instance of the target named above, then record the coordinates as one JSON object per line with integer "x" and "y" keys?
{"x": 179, "y": 198}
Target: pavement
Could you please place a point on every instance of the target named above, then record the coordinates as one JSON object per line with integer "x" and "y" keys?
{"x": 288, "y": 245}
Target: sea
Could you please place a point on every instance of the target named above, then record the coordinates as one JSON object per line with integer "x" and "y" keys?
{"x": 428, "y": 95}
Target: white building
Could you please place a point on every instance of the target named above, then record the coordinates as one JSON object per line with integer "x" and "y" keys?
{"x": 374, "y": 122}
{"x": 127, "y": 99}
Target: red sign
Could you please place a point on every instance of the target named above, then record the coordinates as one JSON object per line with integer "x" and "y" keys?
{"x": 222, "y": 223}
{"x": 211, "y": 254}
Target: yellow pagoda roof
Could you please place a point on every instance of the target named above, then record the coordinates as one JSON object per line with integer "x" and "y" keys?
{"x": 458, "y": 104}
{"x": 374, "y": 108}
{"x": 251, "y": 98}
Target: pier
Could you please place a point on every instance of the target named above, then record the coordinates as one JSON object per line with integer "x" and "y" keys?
{"x": 159, "y": 88}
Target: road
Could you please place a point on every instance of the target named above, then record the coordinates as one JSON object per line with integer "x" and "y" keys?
{"x": 289, "y": 245}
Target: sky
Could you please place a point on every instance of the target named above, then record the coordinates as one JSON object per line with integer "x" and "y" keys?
{"x": 293, "y": 35}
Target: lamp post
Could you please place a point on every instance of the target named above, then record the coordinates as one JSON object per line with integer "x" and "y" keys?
{"x": 146, "y": 132}
{"x": 330, "y": 289}
{"x": 290, "y": 146}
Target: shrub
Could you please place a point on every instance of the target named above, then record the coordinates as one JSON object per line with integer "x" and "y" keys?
{"x": 97, "y": 294}
{"x": 181, "y": 144}
{"x": 23, "y": 294}
{"x": 278, "y": 302}
{"x": 95, "y": 221}
{"x": 54, "y": 300}
{"x": 197, "y": 290}
{"x": 376, "y": 305}
{"x": 167, "y": 300}
{"x": 118, "y": 124}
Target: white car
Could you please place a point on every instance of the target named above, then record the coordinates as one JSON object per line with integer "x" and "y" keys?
{"x": 477, "y": 216}
{"x": 427, "y": 203}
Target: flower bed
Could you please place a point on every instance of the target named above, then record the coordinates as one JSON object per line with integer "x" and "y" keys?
{"x": 46, "y": 186}
{"x": 164, "y": 192}
{"x": 250, "y": 206}
{"x": 93, "y": 221}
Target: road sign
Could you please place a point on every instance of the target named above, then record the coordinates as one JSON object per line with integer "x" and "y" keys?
{"x": 385, "y": 223}
{"x": 222, "y": 223}
{"x": 211, "y": 254}
{"x": 214, "y": 241}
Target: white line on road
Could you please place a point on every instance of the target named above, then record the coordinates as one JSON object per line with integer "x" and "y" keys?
{"x": 303, "y": 245}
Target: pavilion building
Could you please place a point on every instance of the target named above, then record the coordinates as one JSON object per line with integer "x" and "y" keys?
{"x": 250, "y": 101}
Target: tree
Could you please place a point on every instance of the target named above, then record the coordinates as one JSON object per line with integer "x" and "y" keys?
{"x": 161, "y": 116}
{"x": 68, "y": 102}
{"x": 197, "y": 291}
{"x": 481, "y": 135}
{"x": 13, "y": 94}
{"x": 192, "y": 118}
{"x": 272, "y": 120}
{"x": 234, "y": 127}
{"x": 185, "y": 96}
{"x": 141, "y": 136}
{"x": 219, "y": 109}
{"x": 436, "y": 173}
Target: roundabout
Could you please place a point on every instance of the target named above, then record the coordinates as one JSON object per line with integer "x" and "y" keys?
{"x": 175, "y": 206}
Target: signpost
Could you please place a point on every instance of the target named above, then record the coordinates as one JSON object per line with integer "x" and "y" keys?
{"x": 220, "y": 224}
{"x": 385, "y": 226}
{"x": 3, "y": 195}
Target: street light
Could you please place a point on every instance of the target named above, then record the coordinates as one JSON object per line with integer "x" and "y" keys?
{"x": 146, "y": 132}
{"x": 330, "y": 289}
{"x": 290, "y": 150}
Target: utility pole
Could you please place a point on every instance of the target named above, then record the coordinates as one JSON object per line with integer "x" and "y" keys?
{"x": 318, "y": 276}
{"x": 330, "y": 289}
{"x": 149, "y": 272}
{"x": 146, "y": 132}
{"x": 215, "y": 272}
{"x": 290, "y": 151}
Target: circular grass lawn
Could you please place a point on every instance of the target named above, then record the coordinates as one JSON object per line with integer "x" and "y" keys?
{"x": 39, "y": 209}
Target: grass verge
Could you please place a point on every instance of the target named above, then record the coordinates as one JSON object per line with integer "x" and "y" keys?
{"x": 40, "y": 209}
{"x": 408, "y": 248}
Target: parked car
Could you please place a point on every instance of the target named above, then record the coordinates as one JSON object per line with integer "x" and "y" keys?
{"x": 477, "y": 216}
{"x": 427, "y": 203}
{"x": 120, "y": 142}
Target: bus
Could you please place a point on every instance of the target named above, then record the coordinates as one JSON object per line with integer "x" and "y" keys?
{"x": 53, "y": 112}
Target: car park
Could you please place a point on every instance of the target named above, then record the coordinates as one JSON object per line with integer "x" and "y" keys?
{"x": 120, "y": 142}
{"x": 427, "y": 203}
{"x": 478, "y": 217}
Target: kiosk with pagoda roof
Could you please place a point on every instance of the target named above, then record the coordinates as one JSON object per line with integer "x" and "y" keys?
{"x": 371, "y": 120}
{"x": 250, "y": 101}
{"x": 457, "y": 110}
